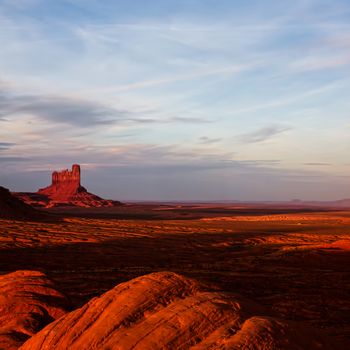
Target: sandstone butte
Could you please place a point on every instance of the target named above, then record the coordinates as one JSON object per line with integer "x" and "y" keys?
{"x": 65, "y": 189}
{"x": 167, "y": 311}
{"x": 28, "y": 302}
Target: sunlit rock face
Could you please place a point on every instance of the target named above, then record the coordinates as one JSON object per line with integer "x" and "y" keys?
{"x": 66, "y": 189}
{"x": 165, "y": 310}
{"x": 65, "y": 185}
{"x": 28, "y": 302}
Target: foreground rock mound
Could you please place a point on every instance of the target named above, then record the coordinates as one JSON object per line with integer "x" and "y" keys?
{"x": 66, "y": 189}
{"x": 28, "y": 302}
{"x": 167, "y": 311}
{"x": 13, "y": 208}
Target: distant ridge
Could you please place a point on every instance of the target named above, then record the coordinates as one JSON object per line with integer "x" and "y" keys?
{"x": 341, "y": 203}
{"x": 13, "y": 208}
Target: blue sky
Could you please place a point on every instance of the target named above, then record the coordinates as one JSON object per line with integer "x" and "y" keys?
{"x": 185, "y": 100}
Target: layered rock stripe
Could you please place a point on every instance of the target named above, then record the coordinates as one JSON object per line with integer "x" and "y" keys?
{"x": 28, "y": 302}
{"x": 165, "y": 310}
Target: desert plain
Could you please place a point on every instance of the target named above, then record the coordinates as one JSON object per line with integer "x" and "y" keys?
{"x": 292, "y": 261}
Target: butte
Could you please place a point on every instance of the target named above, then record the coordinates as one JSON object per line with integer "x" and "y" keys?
{"x": 65, "y": 190}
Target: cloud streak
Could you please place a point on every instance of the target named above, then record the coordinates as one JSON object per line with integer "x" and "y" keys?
{"x": 208, "y": 140}
{"x": 183, "y": 77}
{"x": 77, "y": 112}
{"x": 61, "y": 110}
{"x": 6, "y": 145}
{"x": 263, "y": 134}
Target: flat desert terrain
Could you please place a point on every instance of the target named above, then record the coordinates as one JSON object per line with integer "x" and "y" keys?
{"x": 293, "y": 261}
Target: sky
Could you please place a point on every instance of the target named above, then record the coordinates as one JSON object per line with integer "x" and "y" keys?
{"x": 177, "y": 99}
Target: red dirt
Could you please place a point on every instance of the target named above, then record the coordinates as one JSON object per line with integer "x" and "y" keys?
{"x": 294, "y": 262}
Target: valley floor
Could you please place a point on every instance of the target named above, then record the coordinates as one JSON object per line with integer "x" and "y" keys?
{"x": 296, "y": 262}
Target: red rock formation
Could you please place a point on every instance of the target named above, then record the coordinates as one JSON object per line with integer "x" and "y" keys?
{"x": 168, "y": 311}
{"x": 28, "y": 302}
{"x": 65, "y": 185}
{"x": 66, "y": 189}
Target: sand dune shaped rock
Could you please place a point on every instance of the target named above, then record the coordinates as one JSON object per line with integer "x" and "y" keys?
{"x": 28, "y": 302}
{"x": 168, "y": 311}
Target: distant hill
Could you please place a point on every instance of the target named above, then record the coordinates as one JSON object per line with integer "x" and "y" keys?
{"x": 13, "y": 208}
{"x": 343, "y": 203}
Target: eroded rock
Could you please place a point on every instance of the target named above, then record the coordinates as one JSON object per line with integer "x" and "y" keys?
{"x": 28, "y": 302}
{"x": 65, "y": 190}
{"x": 167, "y": 311}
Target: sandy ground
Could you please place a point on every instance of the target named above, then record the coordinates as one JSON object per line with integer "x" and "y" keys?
{"x": 293, "y": 261}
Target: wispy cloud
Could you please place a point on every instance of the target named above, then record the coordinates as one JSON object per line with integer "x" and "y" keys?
{"x": 209, "y": 140}
{"x": 6, "y": 145}
{"x": 13, "y": 159}
{"x": 77, "y": 111}
{"x": 58, "y": 109}
{"x": 161, "y": 173}
{"x": 190, "y": 120}
{"x": 263, "y": 134}
{"x": 148, "y": 157}
{"x": 318, "y": 62}
{"x": 317, "y": 164}
{"x": 292, "y": 98}
{"x": 182, "y": 77}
